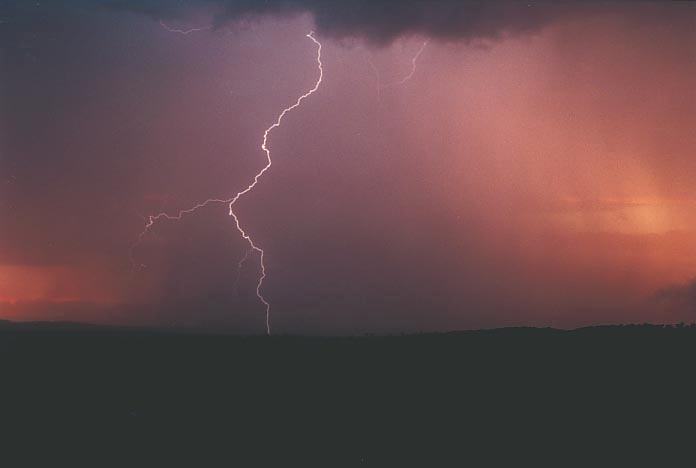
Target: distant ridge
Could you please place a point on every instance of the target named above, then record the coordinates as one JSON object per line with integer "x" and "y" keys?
{"x": 47, "y": 326}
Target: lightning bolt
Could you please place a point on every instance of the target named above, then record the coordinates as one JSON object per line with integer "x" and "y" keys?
{"x": 152, "y": 219}
{"x": 269, "y": 163}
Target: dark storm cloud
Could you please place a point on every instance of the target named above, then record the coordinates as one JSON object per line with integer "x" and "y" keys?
{"x": 382, "y": 21}
{"x": 378, "y": 21}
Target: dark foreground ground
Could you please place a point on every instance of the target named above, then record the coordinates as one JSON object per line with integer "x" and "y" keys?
{"x": 603, "y": 396}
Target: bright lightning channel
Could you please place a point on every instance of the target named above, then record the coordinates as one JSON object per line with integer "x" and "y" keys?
{"x": 152, "y": 219}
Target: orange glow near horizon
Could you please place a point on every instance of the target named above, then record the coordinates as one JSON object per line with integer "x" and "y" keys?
{"x": 51, "y": 284}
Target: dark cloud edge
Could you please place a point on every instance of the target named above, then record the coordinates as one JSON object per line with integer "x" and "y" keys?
{"x": 381, "y": 21}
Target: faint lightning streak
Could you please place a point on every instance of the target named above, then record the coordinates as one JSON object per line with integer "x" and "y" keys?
{"x": 414, "y": 60}
{"x": 268, "y": 165}
{"x": 152, "y": 219}
{"x": 378, "y": 78}
{"x": 185, "y": 32}
{"x": 414, "y": 63}
{"x": 239, "y": 269}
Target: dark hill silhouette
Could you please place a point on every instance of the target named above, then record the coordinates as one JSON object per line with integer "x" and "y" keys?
{"x": 504, "y": 397}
